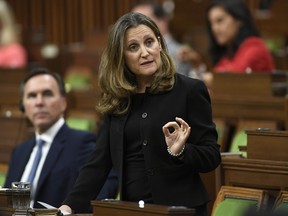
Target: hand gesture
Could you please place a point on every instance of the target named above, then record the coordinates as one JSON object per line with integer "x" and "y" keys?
{"x": 177, "y": 137}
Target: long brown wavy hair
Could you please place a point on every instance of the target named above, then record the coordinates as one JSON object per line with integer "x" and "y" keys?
{"x": 116, "y": 81}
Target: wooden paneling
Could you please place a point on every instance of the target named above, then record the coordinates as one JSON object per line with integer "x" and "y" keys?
{"x": 13, "y": 130}
{"x": 67, "y": 21}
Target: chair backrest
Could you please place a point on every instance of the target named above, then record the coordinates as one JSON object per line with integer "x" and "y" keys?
{"x": 3, "y": 171}
{"x": 236, "y": 201}
{"x": 281, "y": 203}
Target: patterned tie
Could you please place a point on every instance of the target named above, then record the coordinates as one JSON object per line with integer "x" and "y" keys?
{"x": 36, "y": 161}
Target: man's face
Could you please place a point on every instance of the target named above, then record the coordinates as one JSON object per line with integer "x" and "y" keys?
{"x": 42, "y": 101}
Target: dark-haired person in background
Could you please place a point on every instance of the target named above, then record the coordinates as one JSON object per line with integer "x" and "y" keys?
{"x": 235, "y": 43}
{"x": 64, "y": 151}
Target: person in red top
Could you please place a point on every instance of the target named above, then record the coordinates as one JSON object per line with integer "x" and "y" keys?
{"x": 12, "y": 52}
{"x": 252, "y": 55}
{"x": 235, "y": 43}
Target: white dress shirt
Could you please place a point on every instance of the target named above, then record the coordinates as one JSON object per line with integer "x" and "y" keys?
{"x": 48, "y": 137}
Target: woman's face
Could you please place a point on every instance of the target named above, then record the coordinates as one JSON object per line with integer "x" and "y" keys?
{"x": 142, "y": 53}
{"x": 224, "y": 26}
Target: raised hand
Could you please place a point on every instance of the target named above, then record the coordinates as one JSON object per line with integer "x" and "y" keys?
{"x": 176, "y": 134}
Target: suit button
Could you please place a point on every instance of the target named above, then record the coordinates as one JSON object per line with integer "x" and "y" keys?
{"x": 145, "y": 143}
{"x": 150, "y": 172}
{"x": 144, "y": 115}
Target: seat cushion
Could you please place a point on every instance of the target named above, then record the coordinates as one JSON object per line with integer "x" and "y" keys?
{"x": 283, "y": 207}
{"x": 234, "y": 206}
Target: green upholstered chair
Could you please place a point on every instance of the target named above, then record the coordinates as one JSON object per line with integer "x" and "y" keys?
{"x": 235, "y": 206}
{"x": 81, "y": 123}
{"x": 237, "y": 201}
{"x": 79, "y": 77}
{"x": 281, "y": 203}
{"x": 78, "y": 81}
{"x": 240, "y": 139}
{"x": 2, "y": 179}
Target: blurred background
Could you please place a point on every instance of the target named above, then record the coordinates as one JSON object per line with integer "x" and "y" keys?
{"x": 61, "y": 33}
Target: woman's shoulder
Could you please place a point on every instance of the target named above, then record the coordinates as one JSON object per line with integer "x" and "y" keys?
{"x": 253, "y": 47}
{"x": 188, "y": 82}
{"x": 253, "y": 41}
{"x": 183, "y": 79}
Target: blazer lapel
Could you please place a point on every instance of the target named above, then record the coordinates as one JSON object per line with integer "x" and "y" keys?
{"x": 54, "y": 152}
{"x": 24, "y": 156}
{"x": 118, "y": 123}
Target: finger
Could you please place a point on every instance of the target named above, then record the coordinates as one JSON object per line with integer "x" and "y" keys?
{"x": 166, "y": 131}
{"x": 183, "y": 124}
{"x": 173, "y": 124}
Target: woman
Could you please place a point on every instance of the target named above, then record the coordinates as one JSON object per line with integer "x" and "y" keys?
{"x": 12, "y": 53}
{"x": 236, "y": 46}
{"x": 158, "y": 132}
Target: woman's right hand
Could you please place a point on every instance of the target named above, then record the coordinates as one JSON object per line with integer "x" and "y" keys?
{"x": 65, "y": 209}
{"x": 176, "y": 139}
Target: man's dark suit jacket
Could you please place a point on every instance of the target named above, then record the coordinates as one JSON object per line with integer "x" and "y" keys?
{"x": 69, "y": 151}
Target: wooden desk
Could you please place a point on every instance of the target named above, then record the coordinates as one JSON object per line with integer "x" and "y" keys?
{"x": 249, "y": 97}
{"x": 263, "y": 174}
{"x": 266, "y": 165}
{"x": 231, "y": 108}
{"x": 261, "y": 84}
{"x": 267, "y": 145}
{"x": 122, "y": 208}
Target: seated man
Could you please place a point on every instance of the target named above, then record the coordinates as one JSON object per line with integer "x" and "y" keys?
{"x": 52, "y": 166}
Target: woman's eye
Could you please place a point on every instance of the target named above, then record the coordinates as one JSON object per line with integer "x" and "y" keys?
{"x": 149, "y": 42}
{"x": 133, "y": 47}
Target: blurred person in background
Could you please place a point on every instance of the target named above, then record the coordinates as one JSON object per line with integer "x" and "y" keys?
{"x": 235, "y": 43}
{"x": 63, "y": 150}
{"x": 12, "y": 53}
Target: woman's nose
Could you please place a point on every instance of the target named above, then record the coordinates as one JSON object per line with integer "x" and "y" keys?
{"x": 144, "y": 52}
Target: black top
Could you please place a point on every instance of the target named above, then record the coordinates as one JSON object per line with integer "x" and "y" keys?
{"x": 137, "y": 185}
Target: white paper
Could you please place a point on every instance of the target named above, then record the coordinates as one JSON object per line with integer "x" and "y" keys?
{"x": 46, "y": 205}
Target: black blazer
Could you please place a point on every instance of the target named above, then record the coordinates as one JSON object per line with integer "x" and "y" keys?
{"x": 173, "y": 182}
{"x": 69, "y": 151}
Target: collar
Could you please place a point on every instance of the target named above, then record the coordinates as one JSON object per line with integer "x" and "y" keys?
{"x": 49, "y": 135}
